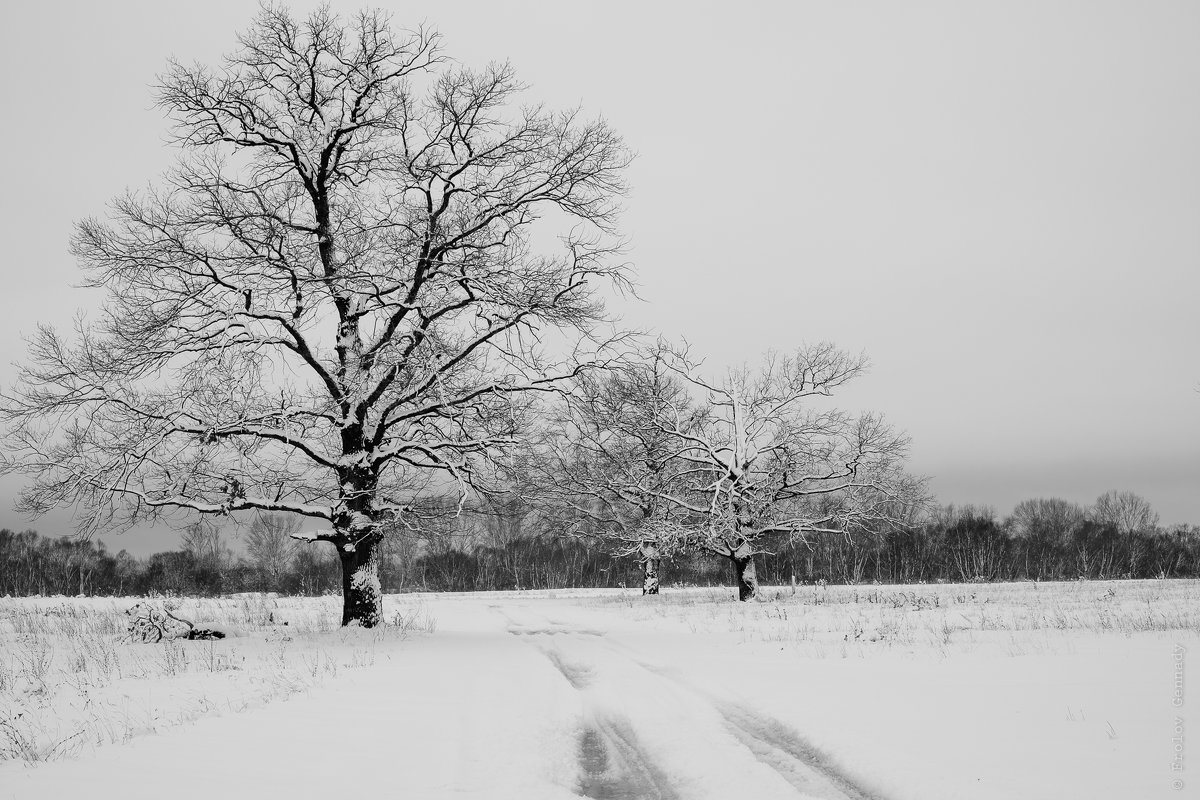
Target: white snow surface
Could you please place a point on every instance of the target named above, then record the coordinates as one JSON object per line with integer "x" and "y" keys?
{"x": 905, "y": 693}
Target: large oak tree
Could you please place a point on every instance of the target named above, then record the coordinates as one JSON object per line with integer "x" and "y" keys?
{"x": 336, "y": 299}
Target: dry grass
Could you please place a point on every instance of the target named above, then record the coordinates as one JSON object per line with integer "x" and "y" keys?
{"x": 1012, "y": 619}
{"x": 68, "y": 682}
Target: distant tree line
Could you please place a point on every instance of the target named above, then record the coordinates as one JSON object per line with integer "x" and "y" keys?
{"x": 31, "y": 564}
{"x": 504, "y": 547}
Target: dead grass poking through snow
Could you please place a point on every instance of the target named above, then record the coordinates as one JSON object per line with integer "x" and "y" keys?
{"x": 67, "y": 682}
{"x": 1000, "y": 618}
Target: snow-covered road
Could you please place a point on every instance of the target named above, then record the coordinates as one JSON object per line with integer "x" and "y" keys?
{"x": 645, "y": 731}
{"x": 530, "y": 697}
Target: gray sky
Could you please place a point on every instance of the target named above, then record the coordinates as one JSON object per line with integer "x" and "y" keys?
{"x": 999, "y": 202}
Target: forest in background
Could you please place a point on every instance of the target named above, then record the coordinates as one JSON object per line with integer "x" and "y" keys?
{"x": 488, "y": 549}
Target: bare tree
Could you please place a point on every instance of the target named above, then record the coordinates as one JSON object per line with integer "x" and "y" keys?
{"x": 334, "y": 302}
{"x": 1126, "y": 511}
{"x": 207, "y": 556}
{"x": 975, "y": 542}
{"x": 203, "y": 543}
{"x": 757, "y": 457}
{"x": 605, "y": 462}
{"x": 270, "y": 545}
{"x": 1049, "y": 518}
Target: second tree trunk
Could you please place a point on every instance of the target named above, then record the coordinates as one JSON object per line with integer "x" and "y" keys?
{"x": 744, "y": 574}
{"x": 650, "y": 561}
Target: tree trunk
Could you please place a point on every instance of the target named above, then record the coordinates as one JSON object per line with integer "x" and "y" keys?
{"x": 747, "y": 578}
{"x": 359, "y": 539}
{"x": 362, "y": 594}
{"x": 650, "y": 562}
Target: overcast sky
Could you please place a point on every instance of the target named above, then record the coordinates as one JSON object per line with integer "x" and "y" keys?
{"x": 998, "y": 202}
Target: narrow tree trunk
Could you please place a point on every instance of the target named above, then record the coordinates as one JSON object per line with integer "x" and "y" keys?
{"x": 650, "y": 561}
{"x": 362, "y": 594}
{"x": 745, "y": 574}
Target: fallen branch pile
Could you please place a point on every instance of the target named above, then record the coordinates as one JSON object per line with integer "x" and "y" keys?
{"x": 148, "y": 625}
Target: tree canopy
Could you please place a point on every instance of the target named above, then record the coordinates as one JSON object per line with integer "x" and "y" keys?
{"x": 334, "y": 300}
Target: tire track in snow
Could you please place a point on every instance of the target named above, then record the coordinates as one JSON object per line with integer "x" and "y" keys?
{"x": 773, "y": 744}
{"x": 612, "y": 763}
{"x": 578, "y": 676}
{"x": 796, "y": 760}
{"x": 615, "y": 767}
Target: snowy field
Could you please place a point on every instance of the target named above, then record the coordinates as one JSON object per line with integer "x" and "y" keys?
{"x": 912, "y": 693}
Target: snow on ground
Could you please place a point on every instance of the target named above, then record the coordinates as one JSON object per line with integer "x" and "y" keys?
{"x": 947, "y": 691}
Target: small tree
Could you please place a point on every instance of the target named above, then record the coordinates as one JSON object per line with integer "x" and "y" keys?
{"x": 1049, "y": 519}
{"x": 756, "y": 457}
{"x": 976, "y": 544}
{"x": 208, "y": 556}
{"x": 333, "y": 301}
{"x": 270, "y": 545}
{"x": 1125, "y": 511}
{"x": 203, "y": 543}
{"x": 128, "y": 571}
{"x": 1046, "y": 527}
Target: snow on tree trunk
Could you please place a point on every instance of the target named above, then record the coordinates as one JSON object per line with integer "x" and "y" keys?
{"x": 362, "y": 594}
{"x": 650, "y": 561}
{"x": 747, "y": 578}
